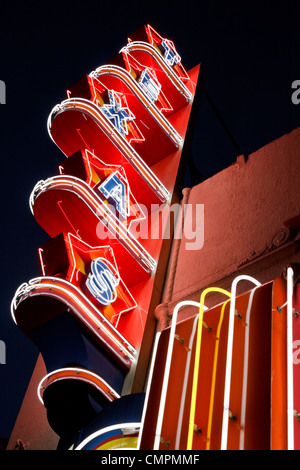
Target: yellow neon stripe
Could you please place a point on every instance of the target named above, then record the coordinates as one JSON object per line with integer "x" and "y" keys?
{"x": 213, "y": 382}
{"x": 119, "y": 443}
{"x": 197, "y": 361}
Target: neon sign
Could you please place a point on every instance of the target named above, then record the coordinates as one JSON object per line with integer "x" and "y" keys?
{"x": 116, "y": 113}
{"x": 93, "y": 270}
{"x": 95, "y": 124}
{"x": 146, "y": 45}
{"x": 102, "y": 281}
{"x": 149, "y": 85}
{"x": 212, "y": 362}
{"x": 122, "y": 153}
{"x": 289, "y": 354}
{"x": 170, "y": 53}
{"x": 114, "y": 190}
{"x": 145, "y": 77}
{"x": 77, "y": 374}
{"x": 113, "y": 437}
{"x": 66, "y": 194}
{"x": 107, "y": 180}
{"x": 229, "y": 357}
{"x": 82, "y": 308}
{"x": 168, "y": 49}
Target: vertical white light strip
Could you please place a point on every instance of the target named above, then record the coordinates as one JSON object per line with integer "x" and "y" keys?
{"x": 167, "y": 370}
{"x": 148, "y": 388}
{"x": 229, "y": 357}
{"x": 245, "y": 371}
{"x": 290, "y": 372}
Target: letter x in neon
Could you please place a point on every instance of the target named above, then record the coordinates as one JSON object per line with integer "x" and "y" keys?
{"x": 116, "y": 113}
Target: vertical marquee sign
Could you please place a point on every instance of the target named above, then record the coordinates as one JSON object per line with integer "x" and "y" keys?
{"x": 123, "y": 129}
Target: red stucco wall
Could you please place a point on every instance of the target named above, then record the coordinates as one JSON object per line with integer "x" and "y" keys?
{"x": 31, "y": 426}
{"x": 250, "y": 224}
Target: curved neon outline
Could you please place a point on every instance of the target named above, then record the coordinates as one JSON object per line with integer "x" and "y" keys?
{"x": 86, "y": 106}
{"x": 82, "y": 190}
{"x": 91, "y": 160}
{"x": 134, "y": 425}
{"x": 163, "y": 64}
{"x": 229, "y": 356}
{"x": 197, "y": 362}
{"x": 245, "y": 370}
{"x": 155, "y": 113}
{"x": 132, "y": 64}
{"x": 81, "y": 306}
{"x": 290, "y": 372}
{"x": 111, "y": 445}
{"x": 149, "y": 30}
{"x": 167, "y": 369}
{"x": 91, "y": 378}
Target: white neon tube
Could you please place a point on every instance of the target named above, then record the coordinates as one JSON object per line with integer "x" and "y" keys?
{"x": 38, "y": 286}
{"x": 84, "y": 192}
{"x": 123, "y": 75}
{"x": 229, "y": 356}
{"x": 134, "y": 426}
{"x": 161, "y": 61}
{"x": 290, "y": 372}
{"x": 245, "y": 371}
{"x": 167, "y": 369}
{"x": 83, "y": 105}
{"x": 157, "y": 336}
{"x": 78, "y": 370}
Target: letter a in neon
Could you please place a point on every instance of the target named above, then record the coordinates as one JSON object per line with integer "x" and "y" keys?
{"x": 115, "y": 192}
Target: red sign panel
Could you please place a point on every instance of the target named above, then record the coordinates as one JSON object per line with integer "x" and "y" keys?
{"x": 122, "y": 129}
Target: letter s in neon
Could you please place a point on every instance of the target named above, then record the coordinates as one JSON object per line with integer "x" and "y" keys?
{"x": 102, "y": 281}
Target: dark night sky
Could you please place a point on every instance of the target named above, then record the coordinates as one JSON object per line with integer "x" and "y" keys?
{"x": 250, "y": 51}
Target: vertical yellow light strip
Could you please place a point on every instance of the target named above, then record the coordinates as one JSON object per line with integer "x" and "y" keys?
{"x": 197, "y": 362}
{"x": 214, "y": 373}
